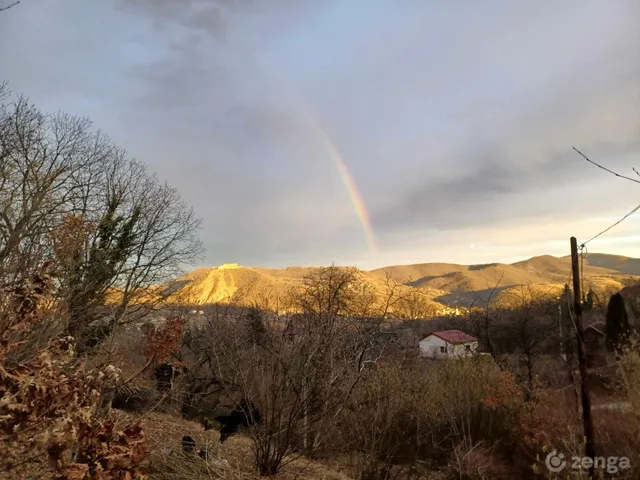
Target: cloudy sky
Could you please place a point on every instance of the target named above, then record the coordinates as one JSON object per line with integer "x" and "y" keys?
{"x": 456, "y": 120}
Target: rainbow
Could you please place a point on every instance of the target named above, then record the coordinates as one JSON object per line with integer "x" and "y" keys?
{"x": 350, "y": 185}
{"x": 347, "y": 179}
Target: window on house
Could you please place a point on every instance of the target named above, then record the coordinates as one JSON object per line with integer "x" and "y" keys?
{"x": 443, "y": 349}
{"x": 467, "y": 348}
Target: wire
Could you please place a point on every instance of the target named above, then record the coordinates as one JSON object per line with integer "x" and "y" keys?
{"x": 605, "y": 168}
{"x": 635, "y": 180}
{"x": 610, "y": 227}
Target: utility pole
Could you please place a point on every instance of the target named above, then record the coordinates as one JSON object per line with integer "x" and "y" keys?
{"x": 589, "y": 448}
{"x": 562, "y": 355}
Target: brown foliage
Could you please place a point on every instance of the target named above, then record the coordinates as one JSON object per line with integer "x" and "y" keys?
{"x": 48, "y": 408}
{"x": 160, "y": 344}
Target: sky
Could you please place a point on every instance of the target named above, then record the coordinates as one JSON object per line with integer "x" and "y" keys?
{"x": 454, "y": 121}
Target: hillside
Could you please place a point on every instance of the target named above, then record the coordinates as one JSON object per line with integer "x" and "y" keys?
{"x": 617, "y": 263}
{"x": 440, "y": 284}
{"x": 240, "y": 284}
{"x": 560, "y": 267}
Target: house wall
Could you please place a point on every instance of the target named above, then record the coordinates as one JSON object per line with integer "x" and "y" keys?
{"x": 460, "y": 350}
{"x": 431, "y": 347}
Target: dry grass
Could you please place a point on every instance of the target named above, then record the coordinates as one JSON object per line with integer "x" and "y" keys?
{"x": 478, "y": 462}
{"x": 233, "y": 460}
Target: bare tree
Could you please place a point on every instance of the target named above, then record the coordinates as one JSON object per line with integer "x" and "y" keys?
{"x": 415, "y": 305}
{"x": 485, "y": 317}
{"x": 43, "y": 162}
{"x": 299, "y": 369}
{"x": 68, "y": 193}
{"x": 531, "y": 324}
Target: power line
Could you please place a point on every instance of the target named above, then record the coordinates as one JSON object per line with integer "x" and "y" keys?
{"x": 635, "y": 180}
{"x": 611, "y": 226}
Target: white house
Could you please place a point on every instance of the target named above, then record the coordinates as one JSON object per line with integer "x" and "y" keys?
{"x": 448, "y": 344}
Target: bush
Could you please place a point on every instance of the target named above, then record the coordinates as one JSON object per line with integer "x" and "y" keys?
{"x": 51, "y": 410}
{"x": 477, "y": 462}
{"x": 432, "y": 414}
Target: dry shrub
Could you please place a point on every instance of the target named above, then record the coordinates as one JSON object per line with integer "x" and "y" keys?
{"x": 408, "y": 415}
{"x": 299, "y": 371}
{"x": 390, "y": 417}
{"x": 467, "y": 416}
{"x": 160, "y": 344}
{"x": 28, "y": 302}
{"x": 233, "y": 460}
{"x": 618, "y": 428}
{"x": 478, "y": 401}
{"x": 552, "y": 423}
{"x": 478, "y": 462}
{"x": 166, "y": 461}
{"x": 629, "y": 371}
{"x": 50, "y": 410}
{"x": 182, "y": 466}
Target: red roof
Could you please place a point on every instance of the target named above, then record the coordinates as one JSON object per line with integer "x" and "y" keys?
{"x": 454, "y": 336}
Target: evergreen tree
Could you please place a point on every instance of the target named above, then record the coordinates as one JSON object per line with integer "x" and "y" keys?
{"x": 588, "y": 304}
{"x": 617, "y": 326}
{"x": 98, "y": 271}
{"x": 255, "y": 326}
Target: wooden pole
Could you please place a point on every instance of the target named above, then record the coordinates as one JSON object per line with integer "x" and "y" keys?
{"x": 589, "y": 448}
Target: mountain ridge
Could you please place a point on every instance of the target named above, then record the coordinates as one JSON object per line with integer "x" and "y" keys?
{"x": 443, "y": 284}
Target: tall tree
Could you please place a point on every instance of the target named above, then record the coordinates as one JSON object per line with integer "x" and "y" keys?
{"x": 68, "y": 193}
{"x": 590, "y": 300}
{"x": 617, "y": 325}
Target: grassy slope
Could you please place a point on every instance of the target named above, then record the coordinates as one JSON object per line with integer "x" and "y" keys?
{"x": 233, "y": 460}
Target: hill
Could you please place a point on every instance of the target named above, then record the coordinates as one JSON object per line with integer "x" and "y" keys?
{"x": 561, "y": 266}
{"x": 240, "y": 284}
{"x": 616, "y": 263}
{"x": 469, "y": 284}
{"x": 439, "y": 284}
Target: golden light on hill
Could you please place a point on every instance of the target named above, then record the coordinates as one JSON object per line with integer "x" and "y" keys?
{"x": 438, "y": 288}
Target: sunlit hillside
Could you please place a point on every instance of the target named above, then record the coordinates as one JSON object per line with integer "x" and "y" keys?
{"x": 438, "y": 284}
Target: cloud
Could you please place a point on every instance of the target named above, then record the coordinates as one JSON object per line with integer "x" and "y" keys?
{"x": 246, "y": 21}
{"x": 497, "y": 190}
{"x": 514, "y": 161}
{"x": 493, "y": 113}
{"x": 453, "y": 120}
{"x": 209, "y": 16}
